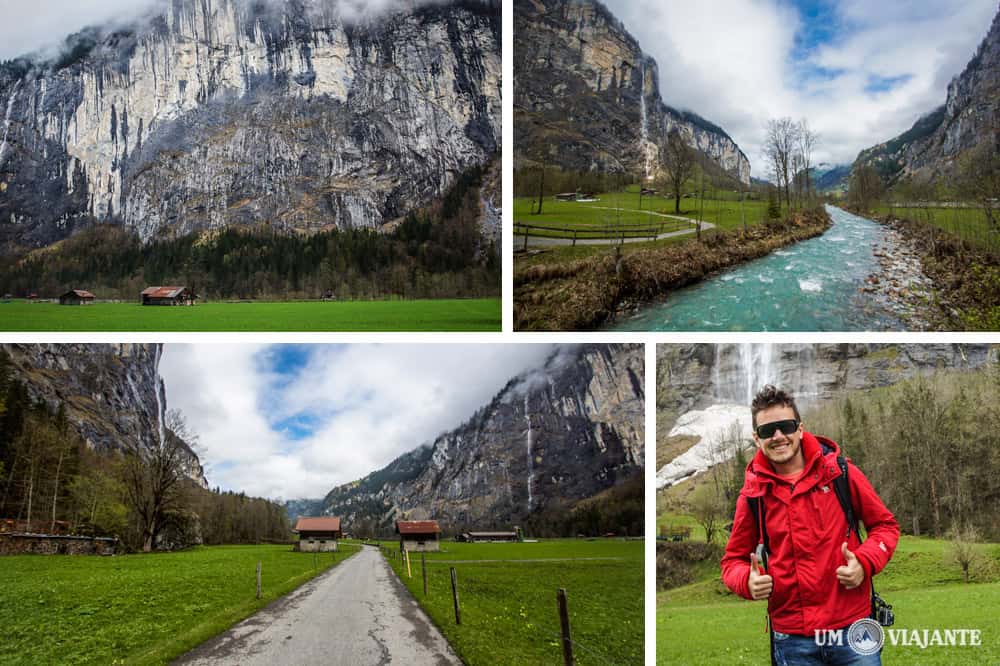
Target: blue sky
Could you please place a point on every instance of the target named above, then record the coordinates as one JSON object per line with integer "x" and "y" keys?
{"x": 861, "y": 71}
{"x": 294, "y": 421}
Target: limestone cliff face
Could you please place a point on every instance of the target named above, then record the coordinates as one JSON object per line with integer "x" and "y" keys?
{"x": 970, "y": 116}
{"x": 558, "y": 434}
{"x": 113, "y": 394}
{"x": 585, "y": 89}
{"x": 219, "y": 112}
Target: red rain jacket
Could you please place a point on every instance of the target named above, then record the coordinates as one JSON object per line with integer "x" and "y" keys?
{"x": 806, "y": 527}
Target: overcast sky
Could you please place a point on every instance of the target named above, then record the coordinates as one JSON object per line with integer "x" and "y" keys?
{"x": 293, "y": 421}
{"x": 861, "y": 71}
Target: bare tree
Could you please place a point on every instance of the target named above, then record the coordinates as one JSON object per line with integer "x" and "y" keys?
{"x": 963, "y": 549}
{"x": 780, "y": 145}
{"x": 154, "y": 478}
{"x": 678, "y": 163}
{"x": 807, "y": 142}
{"x": 865, "y": 187}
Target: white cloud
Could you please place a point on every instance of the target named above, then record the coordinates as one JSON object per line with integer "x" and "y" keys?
{"x": 732, "y": 61}
{"x": 371, "y": 403}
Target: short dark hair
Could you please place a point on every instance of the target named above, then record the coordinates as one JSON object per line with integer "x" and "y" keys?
{"x": 772, "y": 396}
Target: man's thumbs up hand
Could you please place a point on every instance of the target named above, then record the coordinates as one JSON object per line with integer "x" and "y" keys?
{"x": 853, "y": 574}
{"x": 760, "y": 584}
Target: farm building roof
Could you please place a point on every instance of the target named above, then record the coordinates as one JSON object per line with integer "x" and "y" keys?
{"x": 492, "y": 534}
{"x": 417, "y": 527}
{"x": 321, "y": 524}
{"x": 162, "y": 292}
{"x": 82, "y": 293}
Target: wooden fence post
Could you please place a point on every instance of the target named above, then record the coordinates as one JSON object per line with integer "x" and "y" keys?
{"x": 409, "y": 574}
{"x": 423, "y": 565}
{"x": 258, "y": 580}
{"x": 567, "y": 643}
{"x": 454, "y": 595}
{"x": 526, "y": 239}
{"x": 574, "y": 238}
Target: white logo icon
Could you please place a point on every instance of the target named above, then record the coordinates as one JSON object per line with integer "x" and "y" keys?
{"x": 865, "y": 636}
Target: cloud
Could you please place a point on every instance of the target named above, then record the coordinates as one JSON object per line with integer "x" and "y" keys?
{"x": 354, "y": 407}
{"x": 740, "y": 62}
{"x": 28, "y": 28}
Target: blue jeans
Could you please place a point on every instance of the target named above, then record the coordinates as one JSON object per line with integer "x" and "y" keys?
{"x": 792, "y": 650}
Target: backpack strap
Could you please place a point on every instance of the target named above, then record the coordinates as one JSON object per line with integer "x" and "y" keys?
{"x": 756, "y": 505}
{"x": 842, "y": 487}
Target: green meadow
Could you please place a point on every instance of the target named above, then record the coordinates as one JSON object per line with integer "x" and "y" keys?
{"x": 704, "y": 623}
{"x": 417, "y": 315}
{"x": 969, "y": 224}
{"x": 139, "y": 609}
{"x": 508, "y": 600}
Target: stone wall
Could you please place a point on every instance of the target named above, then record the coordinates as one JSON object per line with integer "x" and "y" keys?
{"x": 48, "y": 544}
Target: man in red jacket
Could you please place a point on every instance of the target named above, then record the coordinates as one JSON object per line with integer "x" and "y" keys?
{"x": 818, "y": 574}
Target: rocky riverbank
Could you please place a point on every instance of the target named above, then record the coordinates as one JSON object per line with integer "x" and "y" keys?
{"x": 901, "y": 284}
{"x": 586, "y": 294}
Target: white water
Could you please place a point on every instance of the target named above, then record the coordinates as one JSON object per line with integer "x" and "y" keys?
{"x": 159, "y": 398}
{"x": 6, "y": 120}
{"x": 644, "y": 126}
{"x": 531, "y": 456}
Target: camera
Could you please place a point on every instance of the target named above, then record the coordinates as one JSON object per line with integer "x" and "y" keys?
{"x": 881, "y": 611}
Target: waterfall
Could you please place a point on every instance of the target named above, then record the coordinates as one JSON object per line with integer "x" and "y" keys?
{"x": 159, "y": 396}
{"x": 757, "y": 368}
{"x": 6, "y": 120}
{"x": 644, "y": 126}
{"x": 531, "y": 458}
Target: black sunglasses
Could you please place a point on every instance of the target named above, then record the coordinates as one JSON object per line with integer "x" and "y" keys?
{"x": 787, "y": 427}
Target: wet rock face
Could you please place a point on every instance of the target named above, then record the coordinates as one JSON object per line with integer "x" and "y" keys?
{"x": 558, "y": 434}
{"x": 586, "y": 91}
{"x": 113, "y": 394}
{"x": 243, "y": 111}
{"x": 969, "y": 117}
{"x": 697, "y": 376}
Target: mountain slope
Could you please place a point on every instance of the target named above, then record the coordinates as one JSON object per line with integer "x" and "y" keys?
{"x": 588, "y": 97}
{"x": 970, "y": 116}
{"x": 551, "y": 437}
{"x": 224, "y": 112}
{"x": 113, "y": 395}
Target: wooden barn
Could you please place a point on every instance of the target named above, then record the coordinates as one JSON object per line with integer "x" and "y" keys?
{"x": 168, "y": 296}
{"x": 418, "y": 535}
{"x": 318, "y": 534}
{"x": 488, "y": 537}
{"x": 77, "y": 297}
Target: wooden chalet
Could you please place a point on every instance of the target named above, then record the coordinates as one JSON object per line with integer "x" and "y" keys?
{"x": 489, "y": 537}
{"x": 418, "y": 535}
{"x": 168, "y": 296}
{"x": 318, "y": 534}
{"x": 77, "y": 297}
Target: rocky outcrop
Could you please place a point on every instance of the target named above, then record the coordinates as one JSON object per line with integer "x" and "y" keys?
{"x": 970, "y": 117}
{"x": 113, "y": 394}
{"x": 587, "y": 97}
{"x": 554, "y": 435}
{"x": 221, "y": 112}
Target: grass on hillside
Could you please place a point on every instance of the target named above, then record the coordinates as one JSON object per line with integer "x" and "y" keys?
{"x": 139, "y": 609}
{"x": 921, "y": 582}
{"x": 508, "y": 599}
{"x": 420, "y": 315}
{"x": 969, "y": 224}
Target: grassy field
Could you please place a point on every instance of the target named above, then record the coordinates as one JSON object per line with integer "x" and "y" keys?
{"x": 970, "y": 224}
{"x": 423, "y": 315}
{"x": 508, "y": 599}
{"x": 921, "y": 582}
{"x": 139, "y": 609}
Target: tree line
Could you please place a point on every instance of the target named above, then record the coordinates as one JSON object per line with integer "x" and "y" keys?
{"x": 435, "y": 252}
{"x": 53, "y": 482}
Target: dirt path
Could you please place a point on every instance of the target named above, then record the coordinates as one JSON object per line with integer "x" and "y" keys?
{"x": 357, "y": 613}
{"x": 543, "y": 240}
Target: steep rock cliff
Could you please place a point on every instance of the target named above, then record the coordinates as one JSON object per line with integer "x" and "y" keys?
{"x": 218, "y": 112}
{"x": 586, "y": 94}
{"x": 113, "y": 394}
{"x": 557, "y": 434}
{"x": 970, "y": 116}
